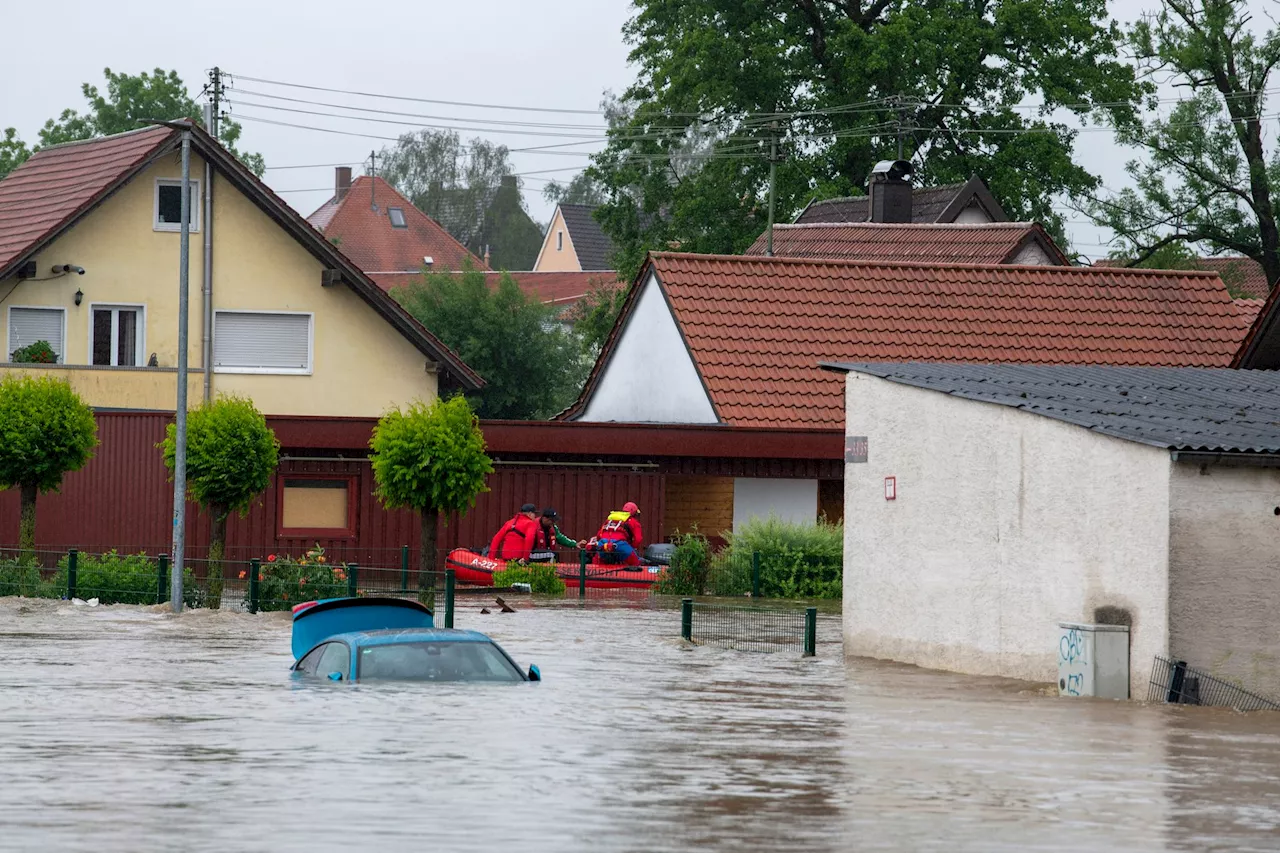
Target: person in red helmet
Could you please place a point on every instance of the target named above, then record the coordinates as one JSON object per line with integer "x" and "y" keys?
{"x": 621, "y": 535}
{"x": 515, "y": 539}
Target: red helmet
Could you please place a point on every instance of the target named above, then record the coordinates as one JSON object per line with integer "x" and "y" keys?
{"x": 630, "y": 507}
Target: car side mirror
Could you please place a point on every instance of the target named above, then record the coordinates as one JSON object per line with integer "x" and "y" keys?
{"x": 535, "y": 674}
{"x": 335, "y": 676}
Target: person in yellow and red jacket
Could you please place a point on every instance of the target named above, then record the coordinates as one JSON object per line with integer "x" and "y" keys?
{"x": 621, "y": 535}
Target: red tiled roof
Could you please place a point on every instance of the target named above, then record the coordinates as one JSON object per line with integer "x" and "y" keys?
{"x": 988, "y": 243}
{"x": 757, "y": 327}
{"x": 368, "y": 238}
{"x": 1240, "y": 274}
{"x": 58, "y": 184}
{"x": 559, "y": 288}
{"x": 1249, "y": 308}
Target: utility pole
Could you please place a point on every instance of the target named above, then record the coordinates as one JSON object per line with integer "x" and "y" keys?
{"x": 773, "y": 180}
{"x": 180, "y": 415}
{"x": 902, "y": 114}
{"x": 215, "y": 100}
{"x": 373, "y": 173}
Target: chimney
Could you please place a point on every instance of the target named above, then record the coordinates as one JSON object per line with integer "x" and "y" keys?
{"x": 341, "y": 182}
{"x": 890, "y": 189}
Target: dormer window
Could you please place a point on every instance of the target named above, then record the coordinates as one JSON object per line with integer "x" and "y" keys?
{"x": 397, "y": 217}
{"x": 168, "y": 207}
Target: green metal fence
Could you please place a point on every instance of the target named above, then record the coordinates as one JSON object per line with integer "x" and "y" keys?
{"x": 751, "y": 629}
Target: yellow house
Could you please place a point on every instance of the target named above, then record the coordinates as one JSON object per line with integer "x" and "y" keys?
{"x": 574, "y": 242}
{"x": 89, "y": 254}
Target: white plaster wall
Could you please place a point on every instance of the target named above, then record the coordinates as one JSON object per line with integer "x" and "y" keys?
{"x": 971, "y": 214}
{"x": 1032, "y": 254}
{"x": 1005, "y": 523}
{"x": 1224, "y": 584}
{"x": 651, "y": 377}
{"x": 791, "y": 500}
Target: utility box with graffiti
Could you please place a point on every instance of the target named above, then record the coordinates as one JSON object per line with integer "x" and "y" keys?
{"x": 1093, "y": 660}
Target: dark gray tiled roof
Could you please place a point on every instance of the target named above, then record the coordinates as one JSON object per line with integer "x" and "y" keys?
{"x": 592, "y": 245}
{"x": 1217, "y": 410}
{"x": 926, "y": 205}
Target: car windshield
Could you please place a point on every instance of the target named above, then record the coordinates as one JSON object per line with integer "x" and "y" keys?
{"x": 436, "y": 661}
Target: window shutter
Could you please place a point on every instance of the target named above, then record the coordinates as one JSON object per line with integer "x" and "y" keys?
{"x": 28, "y": 325}
{"x": 262, "y": 341}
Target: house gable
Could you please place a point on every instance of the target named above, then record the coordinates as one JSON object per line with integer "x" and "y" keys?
{"x": 649, "y": 377}
{"x": 557, "y": 253}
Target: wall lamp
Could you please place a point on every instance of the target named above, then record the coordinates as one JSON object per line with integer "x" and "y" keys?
{"x": 79, "y": 296}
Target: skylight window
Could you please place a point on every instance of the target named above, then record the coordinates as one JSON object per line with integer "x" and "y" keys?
{"x": 397, "y": 217}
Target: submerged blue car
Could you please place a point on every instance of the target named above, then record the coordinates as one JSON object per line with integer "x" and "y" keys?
{"x": 363, "y": 639}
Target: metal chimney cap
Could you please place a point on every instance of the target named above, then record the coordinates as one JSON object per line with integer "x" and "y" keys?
{"x": 893, "y": 170}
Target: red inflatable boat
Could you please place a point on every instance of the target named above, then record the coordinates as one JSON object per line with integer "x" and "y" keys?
{"x": 470, "y": 567}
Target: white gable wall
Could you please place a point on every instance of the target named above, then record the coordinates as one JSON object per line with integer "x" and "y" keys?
{"x": 651, "y": 377}
{"x": 973, "y": 214}
{"x": 1004, "y": 524}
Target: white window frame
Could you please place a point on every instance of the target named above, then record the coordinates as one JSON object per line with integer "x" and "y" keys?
{"x": 559, "y": 241}
{"x": 140, "y": 344}
{"x": 404, "y": 222}
{"x": 156, "y": 224}
{"x": 278, "y": 371}
{"x": 8, "y": 325}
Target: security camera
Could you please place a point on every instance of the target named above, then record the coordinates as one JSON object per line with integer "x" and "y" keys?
{"x": 66, "y": 268}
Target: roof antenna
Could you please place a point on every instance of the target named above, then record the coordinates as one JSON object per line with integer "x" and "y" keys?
{"x": 373, "y": 173}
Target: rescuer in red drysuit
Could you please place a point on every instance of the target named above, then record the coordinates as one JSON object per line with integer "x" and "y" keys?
{"x": 515, "y": 539}
{"x": 622, "y": 536}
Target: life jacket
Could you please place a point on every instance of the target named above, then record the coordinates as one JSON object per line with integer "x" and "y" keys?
{"x": 616, "y": 527}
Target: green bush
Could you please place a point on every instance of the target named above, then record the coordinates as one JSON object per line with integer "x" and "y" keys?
{"x": 122, "y": 579}
{"x": 39, "y": 352}
{"x": 690, "y": 565}
{"x": 284, "y": 581}
{"x": 541, "y": 578}
{"x": 796, "y": 560}
{"x": 25, "y": 579}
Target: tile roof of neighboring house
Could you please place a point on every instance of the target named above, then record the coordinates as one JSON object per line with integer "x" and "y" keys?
{"x": 1179, "y": 408}
{"x": 558, "y": 288}
{"x": 928, "y": 204}
{"x": 52, "y": 190}
{"x": 987, "y": 243}
{"x": 757, "y": 327}
{"x": 362, "y": 227}
{"x": 592, "y": 246}
{"x": 1240, "y": 274}
{"x": 1249, "y": 308}
{"x": 56, "y": 185}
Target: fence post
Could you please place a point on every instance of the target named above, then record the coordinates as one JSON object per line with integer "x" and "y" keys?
{"x": 810, "y": 631}
{"x": 353, "y": 585}
{"x": 254, "y": 565}
{"x": 162, "y": 574}
{"x": 72, "y": 558}
{"x": 686, "y": 618}
{"x": 1176, "y": 679}
{"x": 449, "y": 581}
{"x": 755, "y": 574}
{"x": 404, "y": 568}
{"x": 582, "y": 573}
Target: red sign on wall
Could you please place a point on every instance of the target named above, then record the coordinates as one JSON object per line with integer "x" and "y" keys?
{"x": 891, "y": 488}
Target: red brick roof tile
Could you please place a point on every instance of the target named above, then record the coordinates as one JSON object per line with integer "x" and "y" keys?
{"x": 987, "y": 243}
{"x": 368, "y": 238}
{"x": 58, "y": 184}
{"x": 1240, "y": 274}
{"x": 757, "y": 327}
{"x": 559, "y": 288}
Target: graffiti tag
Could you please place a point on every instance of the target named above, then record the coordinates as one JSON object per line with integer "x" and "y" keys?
{"x": 1071, "y": 647}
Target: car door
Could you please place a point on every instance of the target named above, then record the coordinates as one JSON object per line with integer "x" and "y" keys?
{"x": 309, "y": 663}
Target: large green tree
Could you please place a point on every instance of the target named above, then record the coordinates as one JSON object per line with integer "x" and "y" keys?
{"x": 1206, "y": 176}
{"x": 128, "y": 101}
{"x": 46, "y": 430}
{"x": 231, "y": 456}
{"x": 532, "y": 367}
{"x": 839, "y": 83}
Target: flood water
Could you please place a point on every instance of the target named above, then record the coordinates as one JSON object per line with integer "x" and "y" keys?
{"x": 125, "y": 728}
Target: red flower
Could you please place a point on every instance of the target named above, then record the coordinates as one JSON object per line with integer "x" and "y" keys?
{"x": 242, "y": 575}
{"x": 271, "y": 558}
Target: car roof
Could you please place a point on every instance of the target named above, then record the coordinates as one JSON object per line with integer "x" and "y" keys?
{"x": 394, "y": 636}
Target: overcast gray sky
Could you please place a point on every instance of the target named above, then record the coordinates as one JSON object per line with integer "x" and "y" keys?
{"x": 560, "y": 54}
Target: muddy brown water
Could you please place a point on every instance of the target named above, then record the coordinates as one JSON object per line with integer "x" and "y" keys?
{"x": 125, "y": 728}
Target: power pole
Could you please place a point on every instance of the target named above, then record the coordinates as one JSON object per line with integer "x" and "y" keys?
{"x": 773, "y": 180}
{"x": 215, "y": 100}
{"x": 373, "y": 173}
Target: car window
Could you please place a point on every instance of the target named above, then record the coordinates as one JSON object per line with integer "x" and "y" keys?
{"x": 308, "y": 663}
{"x": 336, "y": 658}
{"x": 437, "y": 661}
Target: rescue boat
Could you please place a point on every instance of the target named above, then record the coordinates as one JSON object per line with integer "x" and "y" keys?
{"x": 471, "y": 567}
